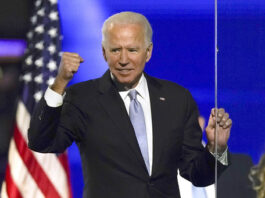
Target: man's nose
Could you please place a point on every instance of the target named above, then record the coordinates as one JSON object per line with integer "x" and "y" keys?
{"x": 123, "y": 58}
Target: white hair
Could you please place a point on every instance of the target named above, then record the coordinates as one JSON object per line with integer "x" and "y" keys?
{"x": 128, "y": 18}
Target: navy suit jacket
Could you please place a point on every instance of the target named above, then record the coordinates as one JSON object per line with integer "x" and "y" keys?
{"x": 94, "y": 116}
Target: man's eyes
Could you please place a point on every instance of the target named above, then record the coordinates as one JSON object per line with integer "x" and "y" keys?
{"x": 115, "y": 50}
{"x": 132, "y": 50}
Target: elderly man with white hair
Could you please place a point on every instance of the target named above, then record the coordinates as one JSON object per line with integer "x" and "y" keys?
{"x": 133, "y": 131}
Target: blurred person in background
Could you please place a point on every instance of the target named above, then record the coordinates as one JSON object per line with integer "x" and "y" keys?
{"x": 8, "y": 94}
{"x": 257, "y": 177}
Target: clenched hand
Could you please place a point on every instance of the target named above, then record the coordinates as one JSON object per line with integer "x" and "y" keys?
{"x": 223, "y": 127}
{"x": 69, "y": 65}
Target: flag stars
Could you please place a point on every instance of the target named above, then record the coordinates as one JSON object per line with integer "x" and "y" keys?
{"x": 53, "y": 15}
{"x": 50, "y": 81}
{"x": 52, "y": 32}
{"x": 37, "y": 96}
{"x": 38, "y": 79}
{"x": 30, "y": 35}
{"x": 52, "y": 49}
{"x": 53, "y": 1}
{"x": 27, "y": 77}
{"x": 29, "y": 60}
{"x": 40, "y": 45}
{"x": 33, "y": 19}
{"x": 52, "y": 65}
{"x": 37, "y": 3}
{"x": 39, "y": 29}
{"x": 39, "y": 62}
{"x": 41, "y": 12}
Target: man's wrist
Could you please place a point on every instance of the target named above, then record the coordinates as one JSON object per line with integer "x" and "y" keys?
{"x": 222, "y": 158}
{"x": 59, "y": 86}
{"x": 219, "y": 151}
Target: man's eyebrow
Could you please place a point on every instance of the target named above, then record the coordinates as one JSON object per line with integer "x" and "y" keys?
{"x": 115, "y": 47}
{"x": 133, "y": 47}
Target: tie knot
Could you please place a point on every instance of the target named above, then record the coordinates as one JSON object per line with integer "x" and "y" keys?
{"x": 132, "y": 94}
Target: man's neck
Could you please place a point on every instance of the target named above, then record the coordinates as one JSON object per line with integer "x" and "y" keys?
{"x": 122, "y": 86}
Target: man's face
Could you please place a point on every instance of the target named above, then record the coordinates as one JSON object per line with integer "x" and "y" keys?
{"x": 126, "y": 53}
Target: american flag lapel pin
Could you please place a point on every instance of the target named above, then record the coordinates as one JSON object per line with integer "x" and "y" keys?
{"x": 162, "y": 98}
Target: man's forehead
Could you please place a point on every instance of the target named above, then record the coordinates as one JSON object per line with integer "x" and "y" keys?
{"x": 113, "y": 25}
{"x": 125, "y": 35}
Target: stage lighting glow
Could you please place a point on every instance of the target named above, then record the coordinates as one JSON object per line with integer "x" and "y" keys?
{"x": 12, "y": 47}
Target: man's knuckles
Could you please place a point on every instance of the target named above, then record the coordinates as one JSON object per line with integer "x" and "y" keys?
{"x": 70, "y": 54}
{"x": 72, "y": 57}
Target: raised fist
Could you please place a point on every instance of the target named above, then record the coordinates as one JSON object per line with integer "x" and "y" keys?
{"x": 69, "y": 65}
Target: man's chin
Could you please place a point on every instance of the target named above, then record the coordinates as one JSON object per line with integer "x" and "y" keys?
{"x": 125, "y": 84}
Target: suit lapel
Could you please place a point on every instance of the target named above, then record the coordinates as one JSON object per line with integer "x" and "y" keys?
{"x": 159, "y": 111}
{"x": 114, "y": 106}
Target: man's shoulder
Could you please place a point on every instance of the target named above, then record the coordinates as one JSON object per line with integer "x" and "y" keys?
{"x": 91, "y": 84}
{"x": 165, "y": 84}
{"x": 82, "y": 91}
{"x": 81, "y": 86}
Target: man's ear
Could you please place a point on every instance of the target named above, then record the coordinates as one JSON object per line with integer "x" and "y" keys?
{"x": 149, "y": 51}
{"x": 104, "y": 53}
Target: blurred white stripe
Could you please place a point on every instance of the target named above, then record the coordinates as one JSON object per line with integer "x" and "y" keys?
{"x": 20, "y": 175}
{"x": 49, "y": 162}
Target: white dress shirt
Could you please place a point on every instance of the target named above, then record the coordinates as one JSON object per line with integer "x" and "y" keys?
{"x": 186, "y": 187}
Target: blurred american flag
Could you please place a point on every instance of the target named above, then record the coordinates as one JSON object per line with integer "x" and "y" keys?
{"x": 30, "y": 174}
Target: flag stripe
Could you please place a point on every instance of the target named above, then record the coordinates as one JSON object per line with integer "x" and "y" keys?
{"x": 46, "y": 161}
{"x": 34, "y": 168}
{"x": 21, "y": 177}
{"x": 3, "y": 190}
{"x": 56, "y": 173}
{"x": 37, "y": 175}
{"x": 22, "y": 119}
{"x": 64, "y": 161}
{"x": 12, "y": 189}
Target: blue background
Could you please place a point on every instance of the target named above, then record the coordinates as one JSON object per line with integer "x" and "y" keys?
{"x": 184, "y": 53}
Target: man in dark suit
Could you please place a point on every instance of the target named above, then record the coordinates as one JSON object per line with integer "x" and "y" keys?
{"x": 122, "y": 158}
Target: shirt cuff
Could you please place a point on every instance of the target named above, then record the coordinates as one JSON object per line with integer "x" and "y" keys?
{"x": 222, "y": 158}
{"x": 52, "y": 98}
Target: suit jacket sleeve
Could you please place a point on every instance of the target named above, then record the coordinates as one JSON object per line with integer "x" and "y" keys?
{"x": 196, "y": 163}
{"x": 54, "y": 129}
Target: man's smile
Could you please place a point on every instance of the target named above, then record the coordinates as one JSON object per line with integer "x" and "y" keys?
{"x": 124, "y": 71}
